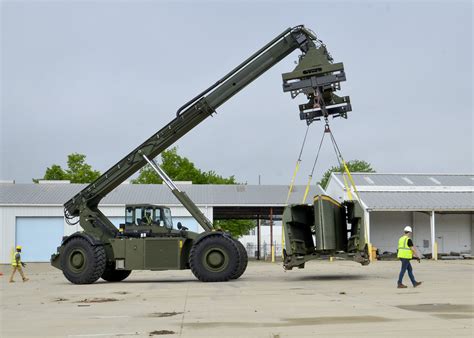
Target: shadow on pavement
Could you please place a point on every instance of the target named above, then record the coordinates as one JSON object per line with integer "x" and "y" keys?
{"x": 155, "y": 281}
{"x": 332, "y": 277}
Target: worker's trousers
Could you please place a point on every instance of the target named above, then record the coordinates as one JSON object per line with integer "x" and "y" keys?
{"x": 406, "y": 266}
{"x": 15, "y": 269}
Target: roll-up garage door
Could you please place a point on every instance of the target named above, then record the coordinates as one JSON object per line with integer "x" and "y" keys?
{"x": 39, "y": 237}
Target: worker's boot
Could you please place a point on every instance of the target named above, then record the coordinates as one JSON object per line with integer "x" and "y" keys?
{"x": 417, "y": 284}
{"x": 12, "y": 275}
{"x": 401, "y": 286}
{"x": 26, "y": 279}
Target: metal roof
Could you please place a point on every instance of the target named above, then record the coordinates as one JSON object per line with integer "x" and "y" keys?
{"x": 212, "y": 195}
{"x": 410, "y": 180}
{"x": 418, "y": 201}
{"x": 422, "y": 192}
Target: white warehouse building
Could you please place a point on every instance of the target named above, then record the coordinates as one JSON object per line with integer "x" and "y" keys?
{"x": 439, "y": 207}
{"x": 31, "y": 214}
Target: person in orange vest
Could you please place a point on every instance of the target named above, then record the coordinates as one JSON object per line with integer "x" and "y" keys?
{"x": 17, "y": 264}
{"x": 406, "y": 251}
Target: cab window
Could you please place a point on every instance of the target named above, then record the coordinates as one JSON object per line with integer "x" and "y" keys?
{"x": 157, "y": 217}
{"x": 129, "y": 215}
{"x": 138, "y": 216}
{"x": 167, "y": 218}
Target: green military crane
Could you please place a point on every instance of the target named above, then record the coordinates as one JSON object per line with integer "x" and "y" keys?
{"x": 147, "y": 240}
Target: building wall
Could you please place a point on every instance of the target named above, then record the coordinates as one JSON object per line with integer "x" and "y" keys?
{"x": 453, "y": 232}
{"x": 8, "y": 215}
{"x": 8, "y": 224}
{"x": 386, "y": 228}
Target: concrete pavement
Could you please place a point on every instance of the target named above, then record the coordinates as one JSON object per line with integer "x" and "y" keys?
{"x": 337, "y": 299}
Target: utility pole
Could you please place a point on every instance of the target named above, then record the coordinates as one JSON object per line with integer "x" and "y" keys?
{"x": 272, "y": 248}
{"x": 258, "y": 237}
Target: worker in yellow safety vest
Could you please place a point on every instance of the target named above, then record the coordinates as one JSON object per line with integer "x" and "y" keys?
{"x": 406, "y": 251}
{"x": 17, "y": 264}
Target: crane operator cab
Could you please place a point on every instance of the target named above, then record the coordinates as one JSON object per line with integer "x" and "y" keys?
{"x": 147, "y": 220}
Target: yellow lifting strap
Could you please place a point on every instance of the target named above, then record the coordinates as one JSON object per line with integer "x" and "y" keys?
{"x": 348, "y": 188}
{"x": 346, "y": 169}
{"x": 349, "y": 194}
{"x": 307, "y": 188}
{"x": 347, "y": 172}
{"x": 298, "y": 162}
{"x": 292, "y": 183}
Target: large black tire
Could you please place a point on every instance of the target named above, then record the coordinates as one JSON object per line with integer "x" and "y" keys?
{"x": 244, "y": 259}
{"x": 112, "y": 275}
{"x": 214, "y": 258}
{"x": 82, "y": 262}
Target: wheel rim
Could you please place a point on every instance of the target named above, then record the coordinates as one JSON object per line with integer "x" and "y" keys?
{"x": 77, "y": 260}
{"x": 215, "y": 259}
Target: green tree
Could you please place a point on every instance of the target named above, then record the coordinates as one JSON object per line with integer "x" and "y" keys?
{"x": 237, "y": 227}
{"x": 354, "y": 166}
{"x": 78, "y": 170}
{"x": 212, "y": 178}
{"x": 55, "y": 172}
{"x": 180, "y": 168}
{"x": 147, "y": 176}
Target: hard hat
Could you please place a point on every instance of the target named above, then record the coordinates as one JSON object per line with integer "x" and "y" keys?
{"x": 18, "y": 247}
{"x": 408, "y": 229}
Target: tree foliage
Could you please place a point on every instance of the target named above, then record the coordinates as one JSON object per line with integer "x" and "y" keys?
{"x": 78, "y": 171}
{"x": 354, "y": 166}
{"x": 236, "y": 227}
{"x": 177, "y": 167}
{"x": 180, "y": 168}
{"x": 55, "y": 172}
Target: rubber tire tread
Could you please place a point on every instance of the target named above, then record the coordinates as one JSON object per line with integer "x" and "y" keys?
{"x": 94, "y": 253}
{"x": 244, "y": 259}
{"x": 199, "y": 270}
{"x": 113, "y": 275}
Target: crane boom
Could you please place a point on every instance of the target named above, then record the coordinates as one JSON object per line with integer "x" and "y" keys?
{"x": 315, "y": 76}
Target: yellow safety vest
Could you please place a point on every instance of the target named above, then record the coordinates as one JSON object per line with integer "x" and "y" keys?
{"x": 14, "y": 263}
{"x": 404, "y": 250}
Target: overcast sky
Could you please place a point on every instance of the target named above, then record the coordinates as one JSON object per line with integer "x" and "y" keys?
{"x": 99, "y": 77}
